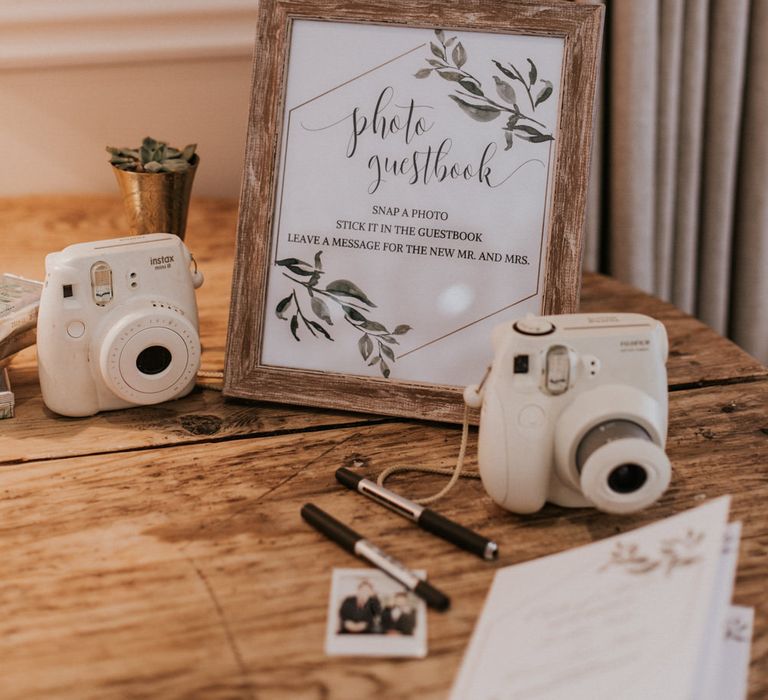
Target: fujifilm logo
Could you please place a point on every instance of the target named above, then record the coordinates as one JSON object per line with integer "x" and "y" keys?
{"x": 630, "y": 345}
{"x": 162, "y": 262}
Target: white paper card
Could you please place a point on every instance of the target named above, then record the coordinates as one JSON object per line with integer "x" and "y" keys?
{"x": 417, "y": 166}
{"x": 733, "y": 666}
{"x": 626, "y": 617}
{"x": 712, "y": 648}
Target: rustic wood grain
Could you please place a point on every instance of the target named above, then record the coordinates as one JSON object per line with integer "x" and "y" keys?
{"x": 187, "y": 572}
{"x": 245, "y": 375}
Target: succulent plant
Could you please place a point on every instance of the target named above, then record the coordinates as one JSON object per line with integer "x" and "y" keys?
{"x": 153, "y": 157}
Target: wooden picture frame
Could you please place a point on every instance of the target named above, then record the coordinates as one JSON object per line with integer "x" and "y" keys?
{"x": 340, "y": 50}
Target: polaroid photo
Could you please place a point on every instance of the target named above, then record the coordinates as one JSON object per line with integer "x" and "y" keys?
{"x": 370, "y": 614}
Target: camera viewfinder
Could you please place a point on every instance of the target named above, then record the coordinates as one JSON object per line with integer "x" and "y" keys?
{"x": 101, "y": 283}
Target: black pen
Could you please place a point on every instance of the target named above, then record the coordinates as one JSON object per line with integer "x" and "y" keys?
{"x": 425, "y": 518}
{"x": 355, "y": 544}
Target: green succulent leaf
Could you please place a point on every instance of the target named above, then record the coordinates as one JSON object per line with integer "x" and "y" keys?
{"x": 175, "y": 165}
{"x": 348, "y": 289}
{"x": 295, "y": 327}
{"x": 402, "y": 329}
{"x": 387, "y": 351}
{"x": 154, "y": 156}
{"x": 480, "y": 113}
{"x": 423, "y": 73}
{"x": 189, "y": 151}
{"x": 384, "y": 368}
{"x": 390, "y": 339}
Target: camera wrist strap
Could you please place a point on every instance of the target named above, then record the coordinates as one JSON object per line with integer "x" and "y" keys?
{"x": 455, "y": 472}
{"x": 213, "y": 380}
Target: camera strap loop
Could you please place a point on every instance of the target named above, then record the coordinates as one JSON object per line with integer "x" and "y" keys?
{"x": 455, "y": 473}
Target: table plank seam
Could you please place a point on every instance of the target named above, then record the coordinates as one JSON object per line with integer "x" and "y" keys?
{"x": 216, "y": 440}
{"x": 709, "y": 383}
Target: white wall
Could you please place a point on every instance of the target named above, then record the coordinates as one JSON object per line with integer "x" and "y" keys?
{"x": 80, "y": 75}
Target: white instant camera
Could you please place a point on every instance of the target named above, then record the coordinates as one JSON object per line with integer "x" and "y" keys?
{"x": 574, "y": 411}
{"x": 118, "y": 325}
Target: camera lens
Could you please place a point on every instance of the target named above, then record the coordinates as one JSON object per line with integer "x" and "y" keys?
{"x": 153, "y": 360}
{"x": 627, "y": 478}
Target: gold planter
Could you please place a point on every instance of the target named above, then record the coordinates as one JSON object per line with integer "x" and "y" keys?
{"x": 157, "y": 202}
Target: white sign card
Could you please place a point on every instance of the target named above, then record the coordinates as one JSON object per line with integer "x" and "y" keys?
{"x": 412, "y": 200}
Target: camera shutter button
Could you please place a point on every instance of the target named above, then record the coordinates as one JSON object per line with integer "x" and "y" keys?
{"x": 75, "y": 329}
{"x": 534, "y": 325}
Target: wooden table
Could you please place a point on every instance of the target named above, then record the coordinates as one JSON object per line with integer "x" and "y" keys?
{"x": 158, "y": 552}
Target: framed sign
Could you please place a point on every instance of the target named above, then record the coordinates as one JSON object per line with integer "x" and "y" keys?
{"x": 415, "y": 174}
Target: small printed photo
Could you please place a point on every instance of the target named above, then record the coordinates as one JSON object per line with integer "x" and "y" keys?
{"x": 370, "y": 614}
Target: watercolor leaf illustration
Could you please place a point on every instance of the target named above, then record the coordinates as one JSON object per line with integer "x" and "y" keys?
{"x": 447, "y": 60}
{"x": 376, "y": 341}
{"x": 673, "y": 553}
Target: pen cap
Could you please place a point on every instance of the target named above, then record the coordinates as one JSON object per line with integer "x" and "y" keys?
{"x": 458, "y": 534}
{"x": 434, "y": 598}
{"x": 330, "y": 527}
{"x": 348, "y": 478}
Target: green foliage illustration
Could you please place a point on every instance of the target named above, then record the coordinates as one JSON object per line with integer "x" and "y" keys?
{"x": 376, "y": 341}
{"x": 448, "y": 59}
